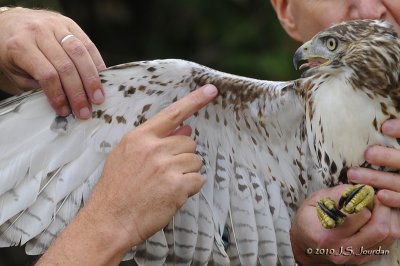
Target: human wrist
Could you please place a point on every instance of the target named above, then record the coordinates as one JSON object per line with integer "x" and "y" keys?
{"x": 105, "y": 231}
{"x": 99, "y": 242}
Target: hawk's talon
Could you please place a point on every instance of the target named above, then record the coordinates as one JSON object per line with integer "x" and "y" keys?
{"x": 356, "y": 198}
{"x": 328, "y": 215}
{"x": 353, "y": 200}
{"x": 348, "y": 195}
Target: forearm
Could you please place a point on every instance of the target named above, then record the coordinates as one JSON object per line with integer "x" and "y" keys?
{"x": 88, "y": 240}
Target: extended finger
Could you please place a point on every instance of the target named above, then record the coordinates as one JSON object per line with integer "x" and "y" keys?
{"x": 374, "y": 178}
{"x": 383, "y": 156}
{"x": 166, "y": 122}
{"x": 85, "y": 67}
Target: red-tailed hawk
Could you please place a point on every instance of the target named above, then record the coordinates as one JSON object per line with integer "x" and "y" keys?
{"x": 265, "y": 145}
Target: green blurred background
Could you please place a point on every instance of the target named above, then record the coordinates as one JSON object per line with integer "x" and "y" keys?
{"x": 239, "y": 36}
{"x": 242, "y": 37}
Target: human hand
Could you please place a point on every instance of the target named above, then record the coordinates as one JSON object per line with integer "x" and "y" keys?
{"x": 364, "y": 230}
{"x": 387, "y": 183}
{"x": 153, "y": 171}
{"x": 32, "y": 56}
{"x": 146, "y": 179}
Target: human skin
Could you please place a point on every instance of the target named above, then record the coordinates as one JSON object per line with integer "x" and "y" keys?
{"x": 302, "y": 19}
{"x": 32, "y": 56}
{"x": 134, "y": 200}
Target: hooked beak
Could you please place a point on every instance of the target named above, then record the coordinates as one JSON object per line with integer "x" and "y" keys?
{"x": 304, "y": 58}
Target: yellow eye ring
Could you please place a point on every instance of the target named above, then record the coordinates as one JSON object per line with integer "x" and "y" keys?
{"x": 331, "y": 43}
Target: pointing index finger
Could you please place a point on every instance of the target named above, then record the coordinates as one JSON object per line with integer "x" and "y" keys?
{"x": 166, "y": 122}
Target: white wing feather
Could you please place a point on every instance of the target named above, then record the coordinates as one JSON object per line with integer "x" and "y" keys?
{"x": 250, "y": 139}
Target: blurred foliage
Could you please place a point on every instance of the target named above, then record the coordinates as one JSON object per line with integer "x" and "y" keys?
{"x": 238, "y": 36}
{"x": 46, "y": 4}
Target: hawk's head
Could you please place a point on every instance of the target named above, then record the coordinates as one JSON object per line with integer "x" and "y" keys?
{"x": 351, "y": 89}
{"x": 362, "y": 48}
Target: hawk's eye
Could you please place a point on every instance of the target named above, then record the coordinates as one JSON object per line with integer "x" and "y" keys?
{"x": 331, "y": 43}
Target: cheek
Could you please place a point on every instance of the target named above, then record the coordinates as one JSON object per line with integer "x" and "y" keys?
{"x": 312, "y": 19}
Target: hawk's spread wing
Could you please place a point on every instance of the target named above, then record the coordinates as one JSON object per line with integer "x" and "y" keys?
{"x": 251, "y": 139}
{"x": 264, "y": 146}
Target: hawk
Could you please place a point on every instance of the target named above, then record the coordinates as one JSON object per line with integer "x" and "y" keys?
{"x": 265, "y": 146}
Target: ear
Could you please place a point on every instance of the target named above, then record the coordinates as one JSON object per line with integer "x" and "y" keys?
{"x": 284, "y": 12}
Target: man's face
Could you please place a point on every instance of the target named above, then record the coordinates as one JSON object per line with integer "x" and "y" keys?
{"x": 311, "y": 16}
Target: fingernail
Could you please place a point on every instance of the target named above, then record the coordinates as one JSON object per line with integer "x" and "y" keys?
{"x": 65, "y": 111}
{"x": 353, "y": 174}
{"x": 98, "y": 96}
{"x": 383, "y": 196}
{"x": 210, "y": 90}
{"x": 84, "y": 112}
{"x": 369, "y": 153}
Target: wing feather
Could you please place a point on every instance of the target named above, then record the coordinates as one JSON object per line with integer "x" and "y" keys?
{"x": 153, "y": 251}
{"x": 186, "y": 230}
{"x": 65, "y": 212}
{"x": 243, "y": 220}
{"x": 246, "y": 137}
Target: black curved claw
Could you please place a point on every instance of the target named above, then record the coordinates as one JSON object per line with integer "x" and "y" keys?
{"x": 345, "y": 200}
{"x": 334, "y": 214}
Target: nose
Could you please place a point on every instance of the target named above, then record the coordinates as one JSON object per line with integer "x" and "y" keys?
{"x": 367, "y": 9}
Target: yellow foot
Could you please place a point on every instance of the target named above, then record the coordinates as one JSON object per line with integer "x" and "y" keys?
{"x": 356, "y": 198}
{"x": 353, "y": 200}
{"x": 329, "y": 216}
